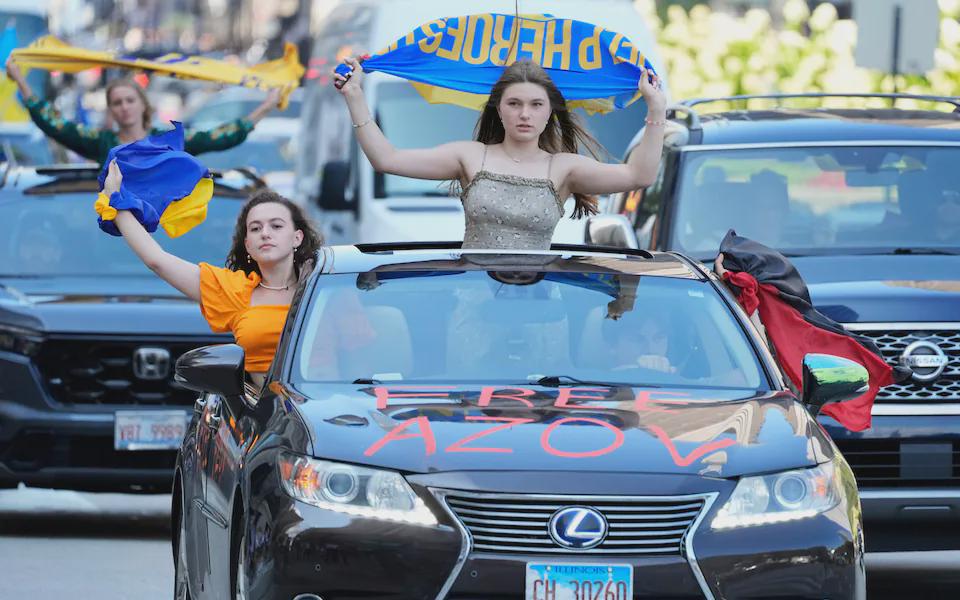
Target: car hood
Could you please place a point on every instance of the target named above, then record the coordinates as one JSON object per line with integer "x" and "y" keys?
{"x": 111, "y": 305}
{"x": 888, "y": 288}
{"x": 677, "y": 431}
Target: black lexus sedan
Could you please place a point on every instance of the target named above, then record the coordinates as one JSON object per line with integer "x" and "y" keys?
{"x": 449, "y": 424}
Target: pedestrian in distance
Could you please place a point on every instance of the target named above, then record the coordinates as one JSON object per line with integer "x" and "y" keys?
{"x": 525, "y": 161}
{"x": 131, "y": 111}
{"x": 273, "y": 247}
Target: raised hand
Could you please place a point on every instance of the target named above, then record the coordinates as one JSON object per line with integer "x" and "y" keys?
{"x": 112, "y": 183}
{"x": 652, "y": 91}
{"x": 349, "y": 84}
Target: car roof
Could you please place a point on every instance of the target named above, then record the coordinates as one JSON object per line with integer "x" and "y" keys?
{"x": 752, "y": 127}
{"x": 446, "y": 256}
{"x": 783, "y": 125}
{"x": 82, "y": 178}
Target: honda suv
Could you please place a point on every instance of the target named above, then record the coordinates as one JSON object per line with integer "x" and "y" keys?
{"x": 89, "y": 336}
{"x": 866, "y": 203}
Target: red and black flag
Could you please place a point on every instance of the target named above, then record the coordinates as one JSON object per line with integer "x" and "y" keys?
{"x": 765, "y": 281}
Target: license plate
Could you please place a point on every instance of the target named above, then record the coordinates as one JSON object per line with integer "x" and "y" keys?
{"x": 149, "y": 430}
{"x": 558, "y": 581}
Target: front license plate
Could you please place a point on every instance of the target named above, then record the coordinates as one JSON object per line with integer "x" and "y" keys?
{"x": 149, "y": 430}
{"x": 558, "y": 581}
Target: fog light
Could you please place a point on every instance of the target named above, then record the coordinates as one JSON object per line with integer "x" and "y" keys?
{"x": 307, "y": 597}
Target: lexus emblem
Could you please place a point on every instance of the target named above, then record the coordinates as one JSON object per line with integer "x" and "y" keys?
{"x": 578, "y": 528}
{"x": 925, "y": 359}
{"x": 151, "y": 363}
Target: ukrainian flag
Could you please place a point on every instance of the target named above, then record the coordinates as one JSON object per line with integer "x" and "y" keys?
{"x": 52, "y": 54}
{"x": 458, "y": 59}
{"x": 162, "y": 185}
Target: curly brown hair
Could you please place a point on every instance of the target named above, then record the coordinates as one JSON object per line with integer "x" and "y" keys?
{"x": 564, "y": 133}
{"x": 239, "y": 260}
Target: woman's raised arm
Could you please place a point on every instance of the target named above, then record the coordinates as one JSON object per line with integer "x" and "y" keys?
{"x": 588, "y": 176}
{"x": 440, "y": 162}
{"x": 181, "y": 274}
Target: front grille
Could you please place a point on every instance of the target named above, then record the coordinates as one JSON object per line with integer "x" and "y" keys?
{"x": 100, "y": 371}
{"x": 652, "y": 526}
{"x": 892, "y": 343}
{"x": 888, "y": 463}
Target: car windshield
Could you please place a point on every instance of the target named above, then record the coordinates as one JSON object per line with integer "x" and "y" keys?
{"x": 520, "y": 326}
{"x": 58, "y": 235}
{"x": 218, "y": 113}
{"x": 821, "y": 200}
{"x": 409, "y": 121}
{"x": 264, "y": 154}
{"x": 28, "y": 148}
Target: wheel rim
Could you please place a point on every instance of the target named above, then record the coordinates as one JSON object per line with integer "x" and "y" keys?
{"x": 241, "y": 591}
{"x": 181, "y": 590}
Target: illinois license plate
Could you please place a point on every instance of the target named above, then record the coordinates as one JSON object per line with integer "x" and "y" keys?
{"x": 149, "y": 430}
{"x": 558, "y": 581}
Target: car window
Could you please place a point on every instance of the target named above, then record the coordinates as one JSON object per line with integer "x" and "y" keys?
{"x": 214, "y": 115}
{"x": 263, "y": 154}
{"x": 820, "y": 199}
{"x": 516, "y": 327}
{"x": 26, "y": 148}
{"x": 58, "y": 235}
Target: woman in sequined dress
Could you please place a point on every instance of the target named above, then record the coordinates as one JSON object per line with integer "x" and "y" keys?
{"x": 524, "y": 162}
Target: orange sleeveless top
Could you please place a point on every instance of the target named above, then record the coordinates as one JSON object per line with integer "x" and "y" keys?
{"x": 225, "y": 304}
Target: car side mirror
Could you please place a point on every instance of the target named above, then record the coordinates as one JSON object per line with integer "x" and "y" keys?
{"x": 828, "y": 379}
{"x": 611, "y": 230}
{"x": 333, "y": 186}
{"x": 212, "y": 369}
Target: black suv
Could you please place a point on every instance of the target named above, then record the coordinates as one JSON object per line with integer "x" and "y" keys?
{"x": 89, "y": 336}
{"x": 866, "y": 203}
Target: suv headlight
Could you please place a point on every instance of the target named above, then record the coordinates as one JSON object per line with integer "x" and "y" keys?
{"x": 360, "y": 491}
{"x": 19, "y": 340}
{"x": 787, "y": 496}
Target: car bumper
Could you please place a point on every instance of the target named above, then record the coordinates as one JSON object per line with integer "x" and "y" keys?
{"x": 908, "y": 472}
{"x": 338, "y": 556}
{"x": 44, "y": 444}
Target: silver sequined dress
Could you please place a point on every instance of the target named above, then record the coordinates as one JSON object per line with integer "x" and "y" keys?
{"x": 510, "y": 211}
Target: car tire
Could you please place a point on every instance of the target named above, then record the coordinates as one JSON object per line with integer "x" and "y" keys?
{"x": 181, "y": 576}
{"x": 239, "y": 556}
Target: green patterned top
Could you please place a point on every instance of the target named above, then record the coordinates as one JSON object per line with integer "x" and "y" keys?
{"x": 95, "y": 144}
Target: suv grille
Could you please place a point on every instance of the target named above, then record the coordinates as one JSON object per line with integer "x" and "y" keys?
{"x": 100, "y": 371}
{"x": 519, "y": 523}
{"x": 890, "y": 463}
{"x": 892, "y": 343}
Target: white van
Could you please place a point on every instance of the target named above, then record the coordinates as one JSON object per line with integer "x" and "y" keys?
{"x": 355, "y": 204}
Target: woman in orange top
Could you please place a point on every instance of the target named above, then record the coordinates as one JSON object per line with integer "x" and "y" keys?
{"x": 272, "y": 242}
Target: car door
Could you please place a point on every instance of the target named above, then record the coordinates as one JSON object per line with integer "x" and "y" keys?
{"x": 229, "y": 433}
{"x": 193, "y": 462}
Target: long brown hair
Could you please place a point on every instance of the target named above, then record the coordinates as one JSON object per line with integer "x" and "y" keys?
{"x": 563, "y": 133}
{"x": 147, "y": 107}
{"x": 239, "y": 260}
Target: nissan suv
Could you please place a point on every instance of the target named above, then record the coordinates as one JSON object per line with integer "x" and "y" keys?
{"x": 89, "y": 336}
{"x": 866, "y": 203}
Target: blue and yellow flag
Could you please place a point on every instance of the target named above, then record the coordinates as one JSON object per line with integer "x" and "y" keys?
{"x": 162, "y": 185}
{"x": 457, "y": 60}
{"x": 54, "y": 55}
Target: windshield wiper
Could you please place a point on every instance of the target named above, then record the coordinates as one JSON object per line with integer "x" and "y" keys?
{"x": 558, "y": 380}
{"x": 927, "y": 251}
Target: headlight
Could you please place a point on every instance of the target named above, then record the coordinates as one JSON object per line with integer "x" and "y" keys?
{"x": 19, "y": 340}
{"x": 787, "y": 496}
{"x": 360, "y": 491}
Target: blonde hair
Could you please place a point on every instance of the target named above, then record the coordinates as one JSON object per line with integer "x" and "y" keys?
{"x": 147, "y": 107}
